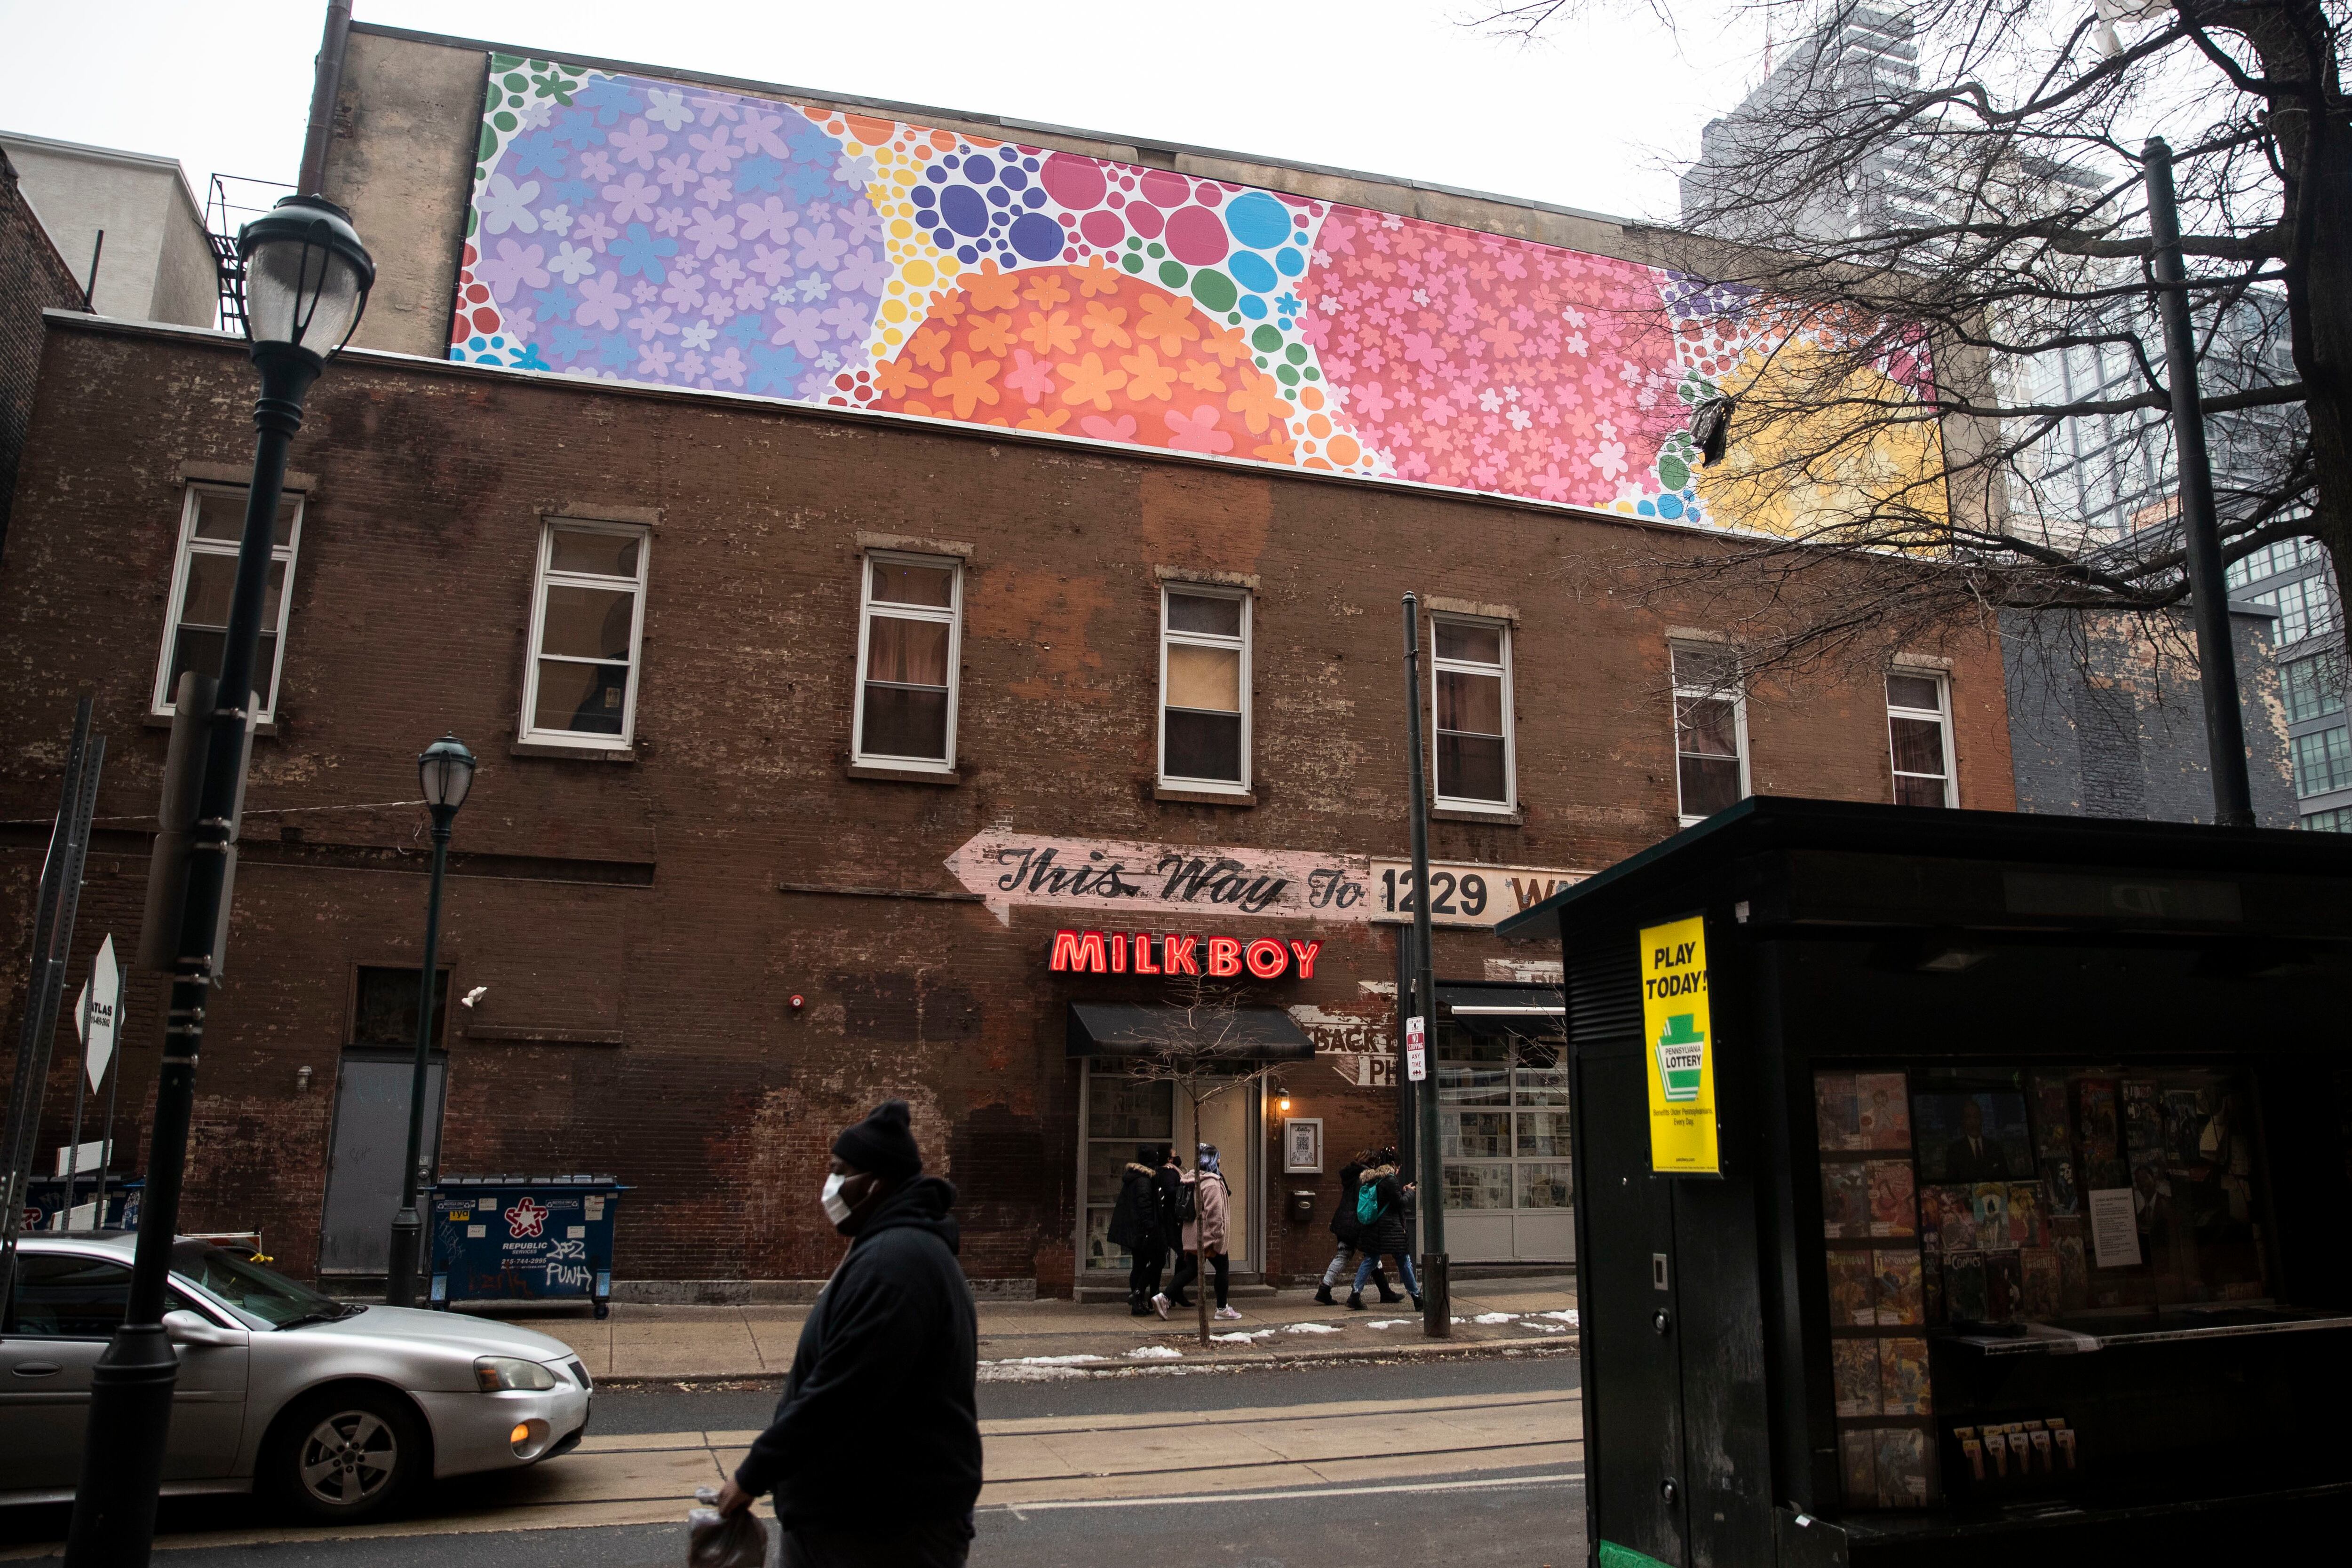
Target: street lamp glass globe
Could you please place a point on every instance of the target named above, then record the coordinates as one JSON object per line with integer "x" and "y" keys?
{"x": 445, "y": 768}
{"x": 307, "y": 276}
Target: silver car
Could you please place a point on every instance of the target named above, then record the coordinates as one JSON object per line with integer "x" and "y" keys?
{"x": 337, "y": 1409}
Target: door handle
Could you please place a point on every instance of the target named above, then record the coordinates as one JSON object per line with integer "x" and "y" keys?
{"x": 1660, "y": 1322}
{"x": 38, "y": 1368}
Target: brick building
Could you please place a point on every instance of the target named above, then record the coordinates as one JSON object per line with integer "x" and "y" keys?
{"x": 33, "y": 277}
{"x": 808, "y": 718}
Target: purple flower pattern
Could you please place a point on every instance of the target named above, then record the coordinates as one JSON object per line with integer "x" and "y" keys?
{"x": 687, "y": 212}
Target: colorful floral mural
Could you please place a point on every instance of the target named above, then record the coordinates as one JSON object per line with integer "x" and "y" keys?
{"x": 627, "y": 228}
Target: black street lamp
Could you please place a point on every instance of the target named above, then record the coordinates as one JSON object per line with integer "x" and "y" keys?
{"x": 446, "y": 770}
{"x": 306, "y": 280}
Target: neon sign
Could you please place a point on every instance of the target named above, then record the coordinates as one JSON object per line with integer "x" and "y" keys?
{"x": 1143, "y": 952}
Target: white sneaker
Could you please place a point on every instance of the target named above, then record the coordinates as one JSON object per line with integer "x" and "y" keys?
{"x": 1231, "y": 1313}
{"x": 1160, "y": 1304}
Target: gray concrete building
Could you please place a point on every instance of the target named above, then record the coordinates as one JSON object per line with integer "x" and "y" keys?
{"x": 156, "y": 264}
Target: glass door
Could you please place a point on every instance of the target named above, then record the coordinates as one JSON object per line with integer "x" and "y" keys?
{"x": 1121, "y": 1112}
{"x": 1503, "y": 1125}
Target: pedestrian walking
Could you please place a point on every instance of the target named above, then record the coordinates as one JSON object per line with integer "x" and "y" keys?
{"x": 1175, "y": 1191}
{"x": 1184, "y": 1223}
{"x": 1204, "y": 1236}
{"x": 1348, "y": 1229}
{"x": 1139, "y": 1223}
{"x": 873, "y": 1454}
{"x": 1381, "y": 1204}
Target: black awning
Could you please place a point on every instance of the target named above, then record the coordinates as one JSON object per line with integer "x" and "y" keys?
{"x": 1127, "y": 1029}
{"x": 1498, "y": 1008}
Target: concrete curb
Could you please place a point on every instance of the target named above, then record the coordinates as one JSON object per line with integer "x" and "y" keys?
{"x": 1564, "y": 1344}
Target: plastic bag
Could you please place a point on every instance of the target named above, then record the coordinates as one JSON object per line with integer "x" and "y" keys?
{"x": 724, "y": 1541}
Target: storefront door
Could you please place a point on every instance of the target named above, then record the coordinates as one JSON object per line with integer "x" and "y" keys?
{"x": 1121, "y": 1112}
{"x": 1503, "y": 1120}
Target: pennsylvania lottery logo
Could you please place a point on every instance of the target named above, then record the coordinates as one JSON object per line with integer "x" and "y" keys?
{"x": 1682, "y": 1058}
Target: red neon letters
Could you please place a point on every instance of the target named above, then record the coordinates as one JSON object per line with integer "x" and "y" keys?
{"x": 1106, "y": 953}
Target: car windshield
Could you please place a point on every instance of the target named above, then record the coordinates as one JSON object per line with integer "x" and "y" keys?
{"x": 252, "y": 1288}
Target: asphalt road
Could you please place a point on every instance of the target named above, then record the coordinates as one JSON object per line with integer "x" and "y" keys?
{"x": 1468, "y": 1518}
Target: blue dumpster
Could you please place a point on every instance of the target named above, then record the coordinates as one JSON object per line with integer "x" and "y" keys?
{"x": 522, "y": 1238}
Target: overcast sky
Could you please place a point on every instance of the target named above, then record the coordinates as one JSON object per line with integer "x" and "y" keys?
{"x": 1588, "y": 119}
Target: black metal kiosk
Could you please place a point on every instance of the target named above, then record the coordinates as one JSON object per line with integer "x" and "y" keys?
{"x": 1962, "y": 1187}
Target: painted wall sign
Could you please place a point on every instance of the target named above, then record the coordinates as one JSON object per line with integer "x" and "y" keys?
{"x": 1681, "y": 1049}
{"x": 670, "y": 234}
{"x": 1175, "y": 955}
{"x": 1480, "y": 895}
{"x": 1008, "y": 869}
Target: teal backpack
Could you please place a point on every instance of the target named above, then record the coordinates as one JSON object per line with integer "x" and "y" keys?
{"x": 1368, "y": 1202}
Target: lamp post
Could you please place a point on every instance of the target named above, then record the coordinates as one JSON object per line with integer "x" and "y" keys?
{"x": 446, "y": 770}
{"x": 306, "y": 280}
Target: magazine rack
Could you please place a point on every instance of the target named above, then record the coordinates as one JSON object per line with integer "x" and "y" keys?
{"x": 1959, "y": 1182}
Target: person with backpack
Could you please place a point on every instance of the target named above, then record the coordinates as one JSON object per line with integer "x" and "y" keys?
{"x": 1345, "y": 1228}
{"x": 1179, "y": 1207}
{"x": 1204, "y": 1233}
{"x": 1381, "y": 1205}
{"x": 1139, "y": 1224}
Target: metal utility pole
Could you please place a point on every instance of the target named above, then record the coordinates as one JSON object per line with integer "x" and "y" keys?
{"x": 1436, "y": 1298}
{"x": 2200, "y": 540}
{"x": 53, "y": 923}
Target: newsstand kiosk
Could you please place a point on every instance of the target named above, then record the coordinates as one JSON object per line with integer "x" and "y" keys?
{"x": 1962, "y": 1187}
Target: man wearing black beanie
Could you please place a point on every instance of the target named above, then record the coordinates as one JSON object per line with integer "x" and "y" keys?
{"x": 873, "y": 1454}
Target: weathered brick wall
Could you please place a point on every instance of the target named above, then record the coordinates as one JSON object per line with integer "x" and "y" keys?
{"x": 2107, "y": 717}
{"x": 641, "y": 897}
{"x": 33, "y": 277}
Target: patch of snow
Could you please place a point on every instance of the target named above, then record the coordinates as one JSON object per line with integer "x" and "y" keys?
{"x": 1494, "y": 1317}
{"x": 1310, "y": 1328}
{"x": 1155, "y": 1353}
{"x": 1391, "y": 1323}
{"x": 1568, "y": 1316}
{"x": 1049, "y": 1361}
{"x": 1238, "y": 1337}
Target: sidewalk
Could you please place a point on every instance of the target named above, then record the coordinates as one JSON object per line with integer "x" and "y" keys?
{"x": 1020, "y": 1341}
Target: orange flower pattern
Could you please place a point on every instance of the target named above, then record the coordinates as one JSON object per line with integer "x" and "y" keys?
{"x": 1187, "y": 384}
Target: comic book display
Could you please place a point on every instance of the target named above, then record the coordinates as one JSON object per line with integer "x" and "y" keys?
{"x": 1875, "y": 1217}
{"x": 1997, "y": 1206}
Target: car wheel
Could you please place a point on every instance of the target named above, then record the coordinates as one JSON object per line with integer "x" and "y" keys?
{"x": 347, "y": 1455}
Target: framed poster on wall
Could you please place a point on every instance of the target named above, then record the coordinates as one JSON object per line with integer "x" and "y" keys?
{"x": 1302, "y": 1145}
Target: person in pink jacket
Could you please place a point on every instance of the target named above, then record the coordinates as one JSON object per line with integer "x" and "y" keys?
{"x": 1204, "y": 1234}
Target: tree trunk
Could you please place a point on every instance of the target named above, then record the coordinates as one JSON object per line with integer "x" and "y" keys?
{"x": 2315, "y": 149}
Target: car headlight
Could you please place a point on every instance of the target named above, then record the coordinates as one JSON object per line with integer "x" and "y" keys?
{"x": 507, "y": 1374}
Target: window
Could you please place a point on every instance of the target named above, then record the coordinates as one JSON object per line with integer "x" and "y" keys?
{"x": 2306, "y": 608}
{"x": 203, "y": 579}
{"x": 1205, "y": 682}
{"x": 1919, "y": 739}
{"x": 2280, "y": 555}
{"x": 384, "y": 1007}
{"x": 2313, "y": 687}
{"x": 910, "y": 640}
{"x": 1472, "y": 696}
{"x": 1503, "y": 1120}
{"x": 1710, "y": 730}
{"x": 2338, "y": 821}
{"x": 587, "y": 618}
{"x": 2323, "y": 761}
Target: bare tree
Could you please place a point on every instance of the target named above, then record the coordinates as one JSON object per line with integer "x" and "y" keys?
{"x": 1197, "y": 1042}
{"x": 1895, "y": 246}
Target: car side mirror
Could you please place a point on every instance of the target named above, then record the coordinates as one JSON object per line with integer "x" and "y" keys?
{"x": 184, "y": 1327}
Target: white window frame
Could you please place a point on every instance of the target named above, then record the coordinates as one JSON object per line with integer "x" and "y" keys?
{"x": 1509, "y": 804}
{"x": 161, "y": 703}
{"x": 1203, "y": 640}
{"x": 1943, "y": 718}
{"x": 1738, "y": 713}
{"x": 544, "y": 576}
{"x": 952, "y": 614}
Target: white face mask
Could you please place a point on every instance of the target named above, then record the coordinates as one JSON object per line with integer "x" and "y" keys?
{"x": 835, "y": 1208}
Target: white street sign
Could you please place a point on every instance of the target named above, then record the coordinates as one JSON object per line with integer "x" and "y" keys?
{"x": 101, "y": 995}
{"x": 92, "y": 1155}
{"x": 1416, "y": 1049}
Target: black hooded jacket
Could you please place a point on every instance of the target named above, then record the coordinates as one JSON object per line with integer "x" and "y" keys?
{"x": 878, "y": 1421}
